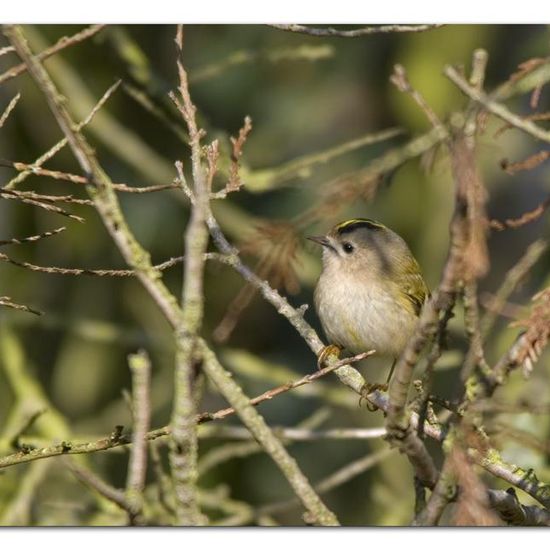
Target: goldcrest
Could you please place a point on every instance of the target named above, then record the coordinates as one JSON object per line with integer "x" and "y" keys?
{"x": 370, "y": 291}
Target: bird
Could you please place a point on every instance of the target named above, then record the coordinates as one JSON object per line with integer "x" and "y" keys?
{"x": 370, "y": 292}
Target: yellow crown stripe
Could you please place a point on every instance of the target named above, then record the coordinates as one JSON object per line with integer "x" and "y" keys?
{"x": 357, "y": 221}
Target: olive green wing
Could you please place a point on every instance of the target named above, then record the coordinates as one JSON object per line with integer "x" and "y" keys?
{"x": 412, "y": 287}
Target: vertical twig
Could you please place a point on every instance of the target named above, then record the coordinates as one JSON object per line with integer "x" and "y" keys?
{"x": 184, "y": 443}
{"x": 140, "y": 366}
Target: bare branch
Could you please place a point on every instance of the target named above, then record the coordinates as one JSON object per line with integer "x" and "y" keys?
{"x": 81, "y": 180}
{"x": 401, "y": 81}
{"x": 495, "y": 107}
{"x": 9, "y": 109}
{"x": 527, "y": 217}
{"x": 59, "y": 145}
{"x": 318, "y": 512}
{"x": 510, "y": 509}
{"x": 363, "y": 31}
{"x": 6, "y": 301}
{"x": 117, "y": 438}
{"x": 140, "y": 367}
{"x": 61, "y": 44}
{"x": 92, "y": 272}
{"x": 12, "y": 194}
{"x": 32, "y": 238}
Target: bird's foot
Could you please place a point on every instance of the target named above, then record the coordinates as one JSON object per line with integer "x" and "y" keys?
{"x": 332, "y": 349}
{"x": 369, "y": 388}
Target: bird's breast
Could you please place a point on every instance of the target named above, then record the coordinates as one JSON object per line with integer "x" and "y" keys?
{"x": 361, "y": 315}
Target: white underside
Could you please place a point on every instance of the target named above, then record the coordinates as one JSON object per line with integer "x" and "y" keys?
{"x": 365, "y": 320}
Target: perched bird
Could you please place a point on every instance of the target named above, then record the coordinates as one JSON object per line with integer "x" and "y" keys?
{"x": 370, "y": 292}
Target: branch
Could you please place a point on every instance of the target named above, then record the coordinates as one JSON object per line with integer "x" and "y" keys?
{"x": 9, "y": 109}
{"x": 510, "y": 509}
{"x": 363, "y": 31}
{"x": 60, "y": 144}
{"x": 73, "y": 178}
{"x": 61, "y": 44}
{"x": 511, "y": 281}
{"x": 297, "y": 434}
{"x": 6, "y": 301}
{"x": 94, "y": 482}
{"x": 495, "y": 107}
{"x": 46, "y": 205}
{"x": 317, "y": 511}
{"x": 184, "y": 444}
{"x": 32, "y": 238}
{"x": 117, "y": 438}
{"x": 92, "y": 272}
{"x": 140, "y": 367}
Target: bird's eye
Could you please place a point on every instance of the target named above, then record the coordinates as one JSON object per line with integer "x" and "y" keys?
{"x": 348, "y": 248}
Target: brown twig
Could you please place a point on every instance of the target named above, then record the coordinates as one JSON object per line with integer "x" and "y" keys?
{"x": 46, "y": 205}
{"x": 525, "y": 218}
{"x": 527, "y": 164}
{"x": 92, "y": 272}
{"x": 234, "y": 182}
{"x": 33, "y": 238}
{"x": 81, "y": 180}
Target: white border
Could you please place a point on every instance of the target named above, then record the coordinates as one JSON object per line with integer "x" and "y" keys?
{"x": 274, "y": 11}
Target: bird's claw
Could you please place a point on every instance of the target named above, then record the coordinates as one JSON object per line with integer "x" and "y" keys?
{"x": 369, "y": 387}
{"x": 327, "y": 351}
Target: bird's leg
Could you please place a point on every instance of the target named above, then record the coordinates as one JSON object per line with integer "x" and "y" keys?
{"x": 391, "y": 371}
{"x": 370, "y": 387}
{"x": 331, "y": 349}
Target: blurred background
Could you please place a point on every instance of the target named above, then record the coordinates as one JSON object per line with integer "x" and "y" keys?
{"x": 305, "y": 167}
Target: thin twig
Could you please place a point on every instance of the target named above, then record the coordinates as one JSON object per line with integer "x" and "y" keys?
{"x": 62, "y": 143}
{"x": 61, "y": 44}
{"x": 94, "y": 482}
{"x": 495, "y": 107}
{"x": 298, "y": 434}
{"x": 6, "y": 301}
{"x": 332, "y": 481}
{"x": 511, "y": 281}
{"x": 92, "y": 272}
{"x": 81, "y": 180}
{"x": 33, "y": 238}
{"x": 363, "y": 31}
{"x": 117, "y": 438}
{"x": 11, "y": 194}
{"x": 9, "y": 109}
{"x": 527, "y": 217}
{"x": 400, "y": 79}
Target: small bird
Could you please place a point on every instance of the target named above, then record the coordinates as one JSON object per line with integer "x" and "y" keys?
{"x": 370, "y": 292}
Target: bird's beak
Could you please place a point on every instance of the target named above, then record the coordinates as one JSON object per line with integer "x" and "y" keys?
{"x": 322, "y": 240}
